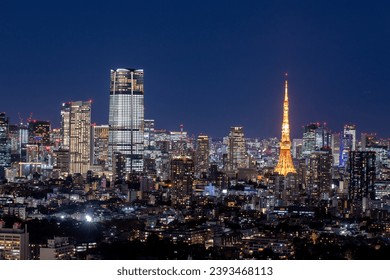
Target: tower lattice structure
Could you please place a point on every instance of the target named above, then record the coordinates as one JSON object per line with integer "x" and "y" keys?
{"x": 285, "y": 164}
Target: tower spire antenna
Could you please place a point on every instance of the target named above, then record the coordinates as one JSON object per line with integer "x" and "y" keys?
{"x": 286, "y": 86}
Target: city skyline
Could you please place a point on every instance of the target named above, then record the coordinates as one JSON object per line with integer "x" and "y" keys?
{"x": 336, "y": 62}
{"x": 150, "y": 130}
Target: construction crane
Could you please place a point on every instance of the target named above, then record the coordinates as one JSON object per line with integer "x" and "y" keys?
{"x": 29, "y": 119}
{"x": 20, "y": 119}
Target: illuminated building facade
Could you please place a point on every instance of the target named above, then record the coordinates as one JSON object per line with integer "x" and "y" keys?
{"x": 297, "y": 148}
{"x": 14, "y": 242}
{"x": 76, "y": 127}
{"x": 368, "y": 140}
{"x": 39, "y": 132}
{"x": 5, "y": 144}
{"x": 202, "y": 161}
{"x": 336, "y": 148}
{"x": 149, "y": 135}
{"x": 182, "y": 176}
{"x": 362, "y": 173}
{"x": 65, "y": 124}
{"x": 285, "y": 164}
{"x": 236, "y": 152}
{"x": 347, "y": 143}
{"x": 18, "y": 135}
{"x": 99, "y": 139}
{"x": 350, "y": 129}
{"x": 126, "y": 118}
{"x": 13, "y": 135}
{"x": 315, "y": 137}
{"x": 57, "y": 248}
{"x": 319, "y": 177}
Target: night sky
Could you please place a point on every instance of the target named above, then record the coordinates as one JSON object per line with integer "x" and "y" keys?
{"x": 208, "y": 65}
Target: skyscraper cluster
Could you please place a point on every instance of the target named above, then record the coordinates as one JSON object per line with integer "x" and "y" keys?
{"x": 191, "y": 189}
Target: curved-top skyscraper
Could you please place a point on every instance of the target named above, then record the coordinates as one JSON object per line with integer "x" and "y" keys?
{"x": 126, "y": 121}
{"x": 285, "y": 164}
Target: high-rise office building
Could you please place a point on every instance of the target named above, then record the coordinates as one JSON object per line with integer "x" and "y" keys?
{"x": 336, "y": 148}
{"x": 126, "y": 119}
{"x": 182, "y": 176}
{"x": 99, "y": 147}
{"x": 285, "y": 164}
{"x": 319, "y": 176}
{"x": 347, "y": 143}
{"x": 39, "y": 132}
{"x": 297, "y": 148}
{"x": 149, "y": 136}
{"x": 13, "y": 135}
{"x": 236, "y": 151}
{"x": 179, "y": 142}
{"x": 368, "y": 140}
{"x": 202, "y": 155}
{"x": 5, "y": 144}
{"x": 315, "y": 137}
{"x": 350, "y": 129}
{"x": 362, "y": 174}
{"x": 65, "y": 123}
{"x": 76, "y": 129}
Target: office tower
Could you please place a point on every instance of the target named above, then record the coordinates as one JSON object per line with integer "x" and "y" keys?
{"x": 323, "y": 137}
{"x": 179, "y": 142}
{"x": 149, "y": 136}
{"x": 319, "y": 174}
{"x": 99, "y": 147}
{"x": 76, "y": 127}
{"x": 315, "y": 137}
{"x": 182, "y": 177}
{"x": 23, "y": 140}
{"x": 297, "y": 148}
{"x": 5, "y": 144}
{"x": 285, "y": 164}
{"x": 152, "y": 155}
{"x": 347, "y": 144}
{"x": 350, "y": 129}
{"x": 202, "y": 153}
{"x": 236, "y": 151}
{"x": 13, "y": 135}
{"x": 39, "y": 132}
{"x": 126, "y": 118}
{"x": 14, "y": 242}
{"x": 39, "y": 138}
{"x": 62, "y": 160}
{"x": 336, "y": 149}
{"x": 55, "y": 138}
{"x": 368, "y": 140}
{"x": 361, "y": 169}
{"x": 65, "y": 124}
{"x": 309, "y": 139}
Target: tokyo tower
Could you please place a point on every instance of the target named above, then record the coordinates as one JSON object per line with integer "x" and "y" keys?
{"x": 285, "y": 164}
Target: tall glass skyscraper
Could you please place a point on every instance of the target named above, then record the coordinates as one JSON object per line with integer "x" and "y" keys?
{"x": 126, "y": 121}
{"x": 5, "y": 144}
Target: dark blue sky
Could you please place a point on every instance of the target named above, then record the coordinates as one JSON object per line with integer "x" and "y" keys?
{"x": 208, "y": 64}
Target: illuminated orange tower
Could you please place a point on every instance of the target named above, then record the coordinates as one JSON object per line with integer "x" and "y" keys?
{"x": 285, "y": 164}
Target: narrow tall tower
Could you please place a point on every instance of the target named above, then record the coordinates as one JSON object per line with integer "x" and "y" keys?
{"x": 79, "y": 136}
{"x": 285, "y": 164}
